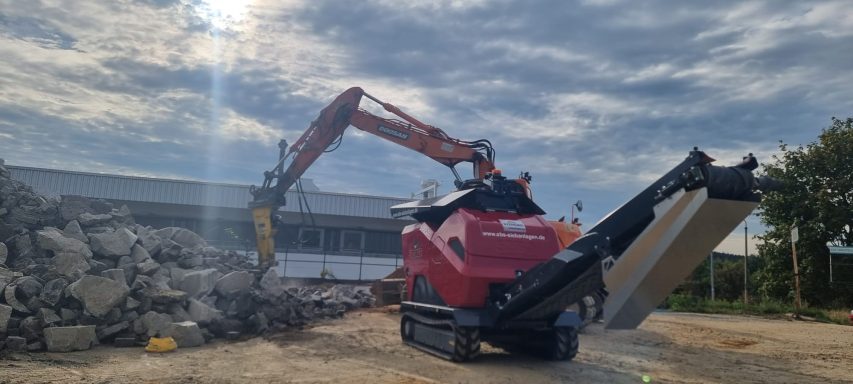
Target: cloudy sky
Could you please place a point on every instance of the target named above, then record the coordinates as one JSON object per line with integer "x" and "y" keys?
{"x": 595, "y": 98}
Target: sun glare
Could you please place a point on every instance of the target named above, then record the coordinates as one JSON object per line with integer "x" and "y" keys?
{"x": 223, "y": 14}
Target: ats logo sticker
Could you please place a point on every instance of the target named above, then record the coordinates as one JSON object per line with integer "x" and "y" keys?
{"x": 513, "y": 226}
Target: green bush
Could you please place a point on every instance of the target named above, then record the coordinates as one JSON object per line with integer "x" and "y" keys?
{"x": 690, "y": 303}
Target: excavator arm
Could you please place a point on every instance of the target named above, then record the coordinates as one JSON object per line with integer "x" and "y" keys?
{"x": 327, "y": 130}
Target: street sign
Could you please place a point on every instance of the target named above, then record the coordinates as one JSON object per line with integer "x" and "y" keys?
{"x": 795, "y": 234}
{"x": 841, "y": 250}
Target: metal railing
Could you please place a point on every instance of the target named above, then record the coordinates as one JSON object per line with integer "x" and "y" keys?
{"x": 339, "y": 265}
{"x": 363, "y": 265}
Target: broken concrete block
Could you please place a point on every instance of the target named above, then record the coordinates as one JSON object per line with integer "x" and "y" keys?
{"x": 52, "y": 291}
{"x": 271, "y": 283}
{"x": 52, "y": 239}
{"x": 6, "y": 277}
{"x": 70, "y": 206}
{"x": 16, "y": 343}
{"x": 30, "y": 328}
{"x": 234, "y": 283}
{"x": 5, "y": 314}
{"x": 113, "y": 244}
{"x": 28, "y": 287}
{"x": 178, "y": 312}
{"x": 131, "y": 304}
{"x": 67, "y": 339}
{"x": 73, "y": 230}
{"x": 139, "y": 254}
{"x": 98, "y": 230}
{"x": 186, "y": 334}
{"x": 91, "y": 220}
{"x": 98, "y": 266}
{"x": 71, "y": 256}
{"x": 20, "y": 291}
{"x": 99, "y": 295}
{"x": 202, "y": 313}
{"x": 113, "y": 316}
{"x": 147, "y": 267}
{"x": 141, "y": 282}
{"x": 116, "y": 275}
{"x": 149, "y": 241}
{"x": 176, "y": 273}
{"x": 161, "y": 280}
{"x": 67, "y": 314}
{"x": 123, "y": 261}
{"x": 48, "y": 316}
{"x": 129, "y": 267}
{"x": 71, "y": 264}
{"x": 112, "y": 330}
{"x": 24, "y": 246}
{"x": 170, "y": 251}
{"x": 123, "y": 215}
{"x": 4, "y": 252}
{"x": 153, "y": 323}
{"x": 163, "y": 296}
{"x": 184, "y": 237}
{"x": 190, "y": 259}
{"x": 199, "y": 283}
{"x": 129, "y": 316}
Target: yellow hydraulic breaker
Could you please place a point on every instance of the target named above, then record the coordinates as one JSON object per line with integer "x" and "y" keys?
{"x": 265, "y": 235}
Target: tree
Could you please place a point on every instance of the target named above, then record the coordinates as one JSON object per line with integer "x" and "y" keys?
{"x": 818, "y": 198}
{"x": 728, "y": 278}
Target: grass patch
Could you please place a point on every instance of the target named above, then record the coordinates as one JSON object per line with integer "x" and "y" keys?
{"x": 689, "y": 303}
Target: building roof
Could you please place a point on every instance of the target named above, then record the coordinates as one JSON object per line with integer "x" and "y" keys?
{"x": 53, "y": 182}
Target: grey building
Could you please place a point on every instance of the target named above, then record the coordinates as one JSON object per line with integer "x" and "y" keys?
{"x": 326, "y": 224}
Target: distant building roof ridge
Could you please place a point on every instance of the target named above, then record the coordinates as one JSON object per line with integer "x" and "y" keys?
{"x": 191, "y": 181}
{"x": 54, "y": 182}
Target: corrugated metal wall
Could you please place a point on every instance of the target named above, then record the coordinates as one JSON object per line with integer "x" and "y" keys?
{"x": 52, "y": 182}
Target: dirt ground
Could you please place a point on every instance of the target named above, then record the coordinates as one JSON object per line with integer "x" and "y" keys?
{"x": 364, "y": 347}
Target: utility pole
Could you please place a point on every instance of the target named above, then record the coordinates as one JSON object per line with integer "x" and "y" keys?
{"x": 795, "y": 236}
{"x": 712, "y": 274}
{"x": 745, "y": 267}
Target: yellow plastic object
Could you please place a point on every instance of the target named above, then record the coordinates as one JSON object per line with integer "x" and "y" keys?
{"x": 265, "y": 233}
{"x": 161, "y": 344}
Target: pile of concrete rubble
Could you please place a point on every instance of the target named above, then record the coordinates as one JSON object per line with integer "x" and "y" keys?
{"x": 76, "y": 272}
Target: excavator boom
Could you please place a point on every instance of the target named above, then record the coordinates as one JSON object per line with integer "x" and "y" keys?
{"x": 327, "y": 130}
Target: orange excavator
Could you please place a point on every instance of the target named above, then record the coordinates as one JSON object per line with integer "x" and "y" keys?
{"x": 324, "y": 135}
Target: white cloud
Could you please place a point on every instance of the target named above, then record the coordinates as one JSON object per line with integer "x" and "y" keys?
{"x": 603, "y": 94}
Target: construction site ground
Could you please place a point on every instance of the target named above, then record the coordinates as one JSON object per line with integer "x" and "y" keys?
{"x": 364, "y": 347}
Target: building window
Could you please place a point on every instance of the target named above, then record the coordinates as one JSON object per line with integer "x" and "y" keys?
{"x": 310, "y": 238}
{"x": 352, "y": 241}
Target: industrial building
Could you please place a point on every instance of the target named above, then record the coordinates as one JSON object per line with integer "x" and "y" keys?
{"x": 325, "y": 232}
